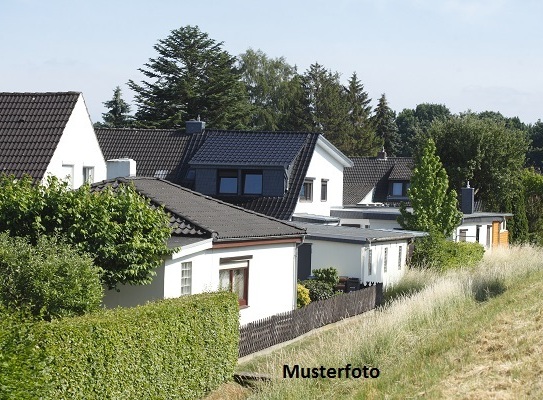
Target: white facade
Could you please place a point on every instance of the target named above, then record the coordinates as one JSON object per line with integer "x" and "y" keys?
{"x": 325, "y": 170}
{"x": 352, "y": 259}
{"x": 271, "y": 277}
{"x": 78, "y": 153}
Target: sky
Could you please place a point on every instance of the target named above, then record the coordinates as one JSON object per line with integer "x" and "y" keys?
{"x": 479, "y": 55}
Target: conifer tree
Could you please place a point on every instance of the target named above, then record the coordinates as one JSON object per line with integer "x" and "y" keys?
{"x": 118, "y": 112}
{"x": 191, "y": 76}
{"x": 384, "y": 121}
{"x": 362, "y": 138}
{"x": 434, "y": 206}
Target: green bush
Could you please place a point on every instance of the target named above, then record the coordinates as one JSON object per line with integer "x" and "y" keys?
{"x": 303, "y": 298}
{"x": 319, "y": 290}
{"x": 434, "y": 251}
{"x": 177, "y": 349}
{"x": 327, "y": 275}
{"x": 49, "y": 280}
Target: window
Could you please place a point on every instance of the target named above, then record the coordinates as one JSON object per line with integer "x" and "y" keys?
{"x": 324, "y": 189}
{"x": 397, "y": 189}
{"x": 400, "y": 249}
{"x": 88, "y": 174}
{"x": 306, "y": 194}
{"x": 369, "y": 261}
{"x": 68, "y": 175}
{"x": 228, "y": 181}
{"x": 385, "y": 263}
{"x": 463, "y": 235}
{"x": 478, "y": 234}
{"x": 236, "y": 279}
{"x": 252, "y": 182}
{"x": 186, "y": 278}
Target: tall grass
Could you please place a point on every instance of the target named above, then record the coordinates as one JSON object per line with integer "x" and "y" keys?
{"x": 396, "y": 334}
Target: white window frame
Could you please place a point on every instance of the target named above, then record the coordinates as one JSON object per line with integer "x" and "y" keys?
{"x": 400, "y": 250}
{"x": 88, "y": 174}
{"x": 385, "y": 261}
{"x": 370, "y": 261}
{"x": 186, "y": 278}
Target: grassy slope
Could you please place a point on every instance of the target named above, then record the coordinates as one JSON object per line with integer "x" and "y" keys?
{"x": 439, "y": 344}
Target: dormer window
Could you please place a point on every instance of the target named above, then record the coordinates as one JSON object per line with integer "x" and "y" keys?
{"x": 228, "y": 181}
{"x": 397, "y": 189}
{"x": 252, "y": 182}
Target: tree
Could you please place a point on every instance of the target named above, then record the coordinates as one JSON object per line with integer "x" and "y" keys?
{"x": 326, "y": 103}
{"x": 118, "y": 112}
{"x": 125, "y": 236}
{"x": 535, "y": 153}
{"x": 484, "y": 151}
{"x": 413, "y": 125}
{"x": 271, "y": 87}
{"x": 384, "y": 121}
{"x": 532, "y": 184}
{"x": 434, "y": 205}
{"x": 191, "y": 76}
{"x": 361, "y": 140}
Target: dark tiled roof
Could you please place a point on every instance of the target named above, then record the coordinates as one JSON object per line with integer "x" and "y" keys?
{"x": 257, "y": 149}
{"x": 172, "y": 150}
{"x": 163, "y": 152}
{"x": 375, "y": 172}
{"x": 31, "y": 125}
{"x": 196, "y": 215}
{"x": 355, "y": 235}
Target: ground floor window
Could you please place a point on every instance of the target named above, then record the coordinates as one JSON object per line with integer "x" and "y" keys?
{"x": 235, "y": 277}
{"x": 186, "y": 278}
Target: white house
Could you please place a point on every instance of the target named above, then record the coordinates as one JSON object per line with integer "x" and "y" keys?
{"x": 218, "y": 246}
{"x": 370, "y": 255}
{"x": 45, "y": 134}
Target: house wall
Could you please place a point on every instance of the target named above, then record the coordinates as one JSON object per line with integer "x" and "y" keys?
{"x": 394, "y": 270}
{"x": 272, "y": 279}
{"x": 351, "y": 259}
{"x": 78, "y": 147}
{"x": 323, "y": 166}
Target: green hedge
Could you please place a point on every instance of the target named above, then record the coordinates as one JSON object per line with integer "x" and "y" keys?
{"x": 434, "y": 251}
{"x": 174, "y": 349}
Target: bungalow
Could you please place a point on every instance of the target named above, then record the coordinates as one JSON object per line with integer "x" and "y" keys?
{"x": 370, "y": 255}
{"x": 218, "y": 245}
{"x": 45, "y": 134}
{"x": 279, "y": 174}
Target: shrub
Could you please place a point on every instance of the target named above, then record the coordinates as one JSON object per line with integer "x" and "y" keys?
{"x": 319, "y": 290}
{"x": 303, "y": 298}
{"x": 327, "y": 275}
{"x": 176, "y": 349}
{"x": 434, "y": 251}
{"x": 50, "y": 279}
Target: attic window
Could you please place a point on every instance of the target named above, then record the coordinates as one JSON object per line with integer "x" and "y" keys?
{"x": 228, "y": 181}
{"x": 252, "y": 182}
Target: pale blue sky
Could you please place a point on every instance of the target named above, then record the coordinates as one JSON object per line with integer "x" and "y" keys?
{"x": 479, "y": 55}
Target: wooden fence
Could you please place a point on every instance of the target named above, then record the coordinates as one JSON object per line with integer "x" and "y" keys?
{"x": 279, "y": 328}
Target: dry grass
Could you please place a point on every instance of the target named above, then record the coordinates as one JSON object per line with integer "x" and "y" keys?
{"x": 436, "y": 343}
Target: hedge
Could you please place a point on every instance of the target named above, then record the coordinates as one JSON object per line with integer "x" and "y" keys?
{"x": 434, "y": 251}
{"x": 175, "y": 349}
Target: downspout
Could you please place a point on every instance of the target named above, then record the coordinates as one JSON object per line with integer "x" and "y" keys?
{"x": 295, "y": 269}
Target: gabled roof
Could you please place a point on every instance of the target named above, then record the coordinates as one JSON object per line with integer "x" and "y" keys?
{"x": 169, "y": 153}
{"x": 31, "y": 125}
{"x": 373, "y": 172}
{"x": 196, "y": 215}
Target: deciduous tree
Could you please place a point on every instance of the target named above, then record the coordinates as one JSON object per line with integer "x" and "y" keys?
{"x": 434, "y": 205}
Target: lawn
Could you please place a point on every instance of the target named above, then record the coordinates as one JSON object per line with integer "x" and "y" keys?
{"x": 468, "y": 334}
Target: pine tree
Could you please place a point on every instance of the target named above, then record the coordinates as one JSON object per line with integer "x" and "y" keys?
{"x": 384, "y": 120}
{"x": 191, "y": 76}
{"x": 327, "y": 104}
{"x": 362, "y": 138}
{"x": 118, "y": 112}
{"x": 434, "y": 206}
